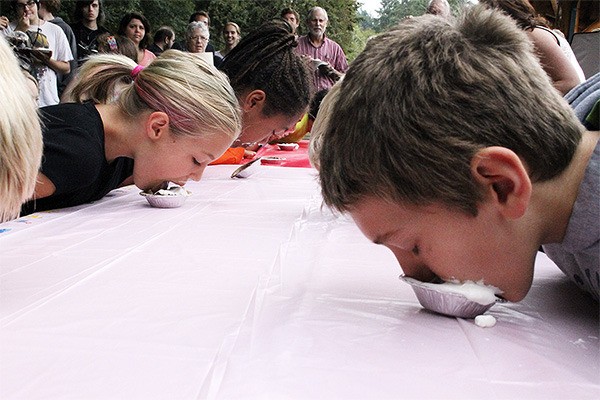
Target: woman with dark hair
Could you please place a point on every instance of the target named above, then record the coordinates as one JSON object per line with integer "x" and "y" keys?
{"x": 137, "y": 28}
{"x": 272, "y": 83}
{"x": 88, "y": 17}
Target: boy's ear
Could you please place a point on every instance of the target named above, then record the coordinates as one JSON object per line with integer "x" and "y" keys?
{"x": 504, "y": 178}
{"x": 255, "y": 98}
{"x": 157, "y": 125}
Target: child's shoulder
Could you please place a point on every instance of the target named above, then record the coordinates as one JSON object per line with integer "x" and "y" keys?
{"x": 585, "y": 101}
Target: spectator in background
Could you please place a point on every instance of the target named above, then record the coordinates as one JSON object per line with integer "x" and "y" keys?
{"x": 46, "y": 12}
{"x": 47, "y": 36}
{"x": 88, "y": 17}
{"x": 440, "y": 8}
{"x": 292, "y": 17}
{"x": 196, "y": 39}
{"x": 117, "y": 44}
{"x": 198, "y": 16}
{"x": 137, "y": 28}
{"x": 81, "y": 88}
{"x": 232, "y": 36}
{"x": 327, "y": 57}
{"x": 20, "y": 136}
{"x": 163, "y": 40}
{"x": 556, "y": 57}
{"x": 202, "y": 16}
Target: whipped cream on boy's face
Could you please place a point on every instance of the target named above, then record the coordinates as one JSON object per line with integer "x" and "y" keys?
{"x": 434, "y": 241}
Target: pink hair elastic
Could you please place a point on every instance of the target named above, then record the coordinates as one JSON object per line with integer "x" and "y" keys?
{"x": 135, "y": 71}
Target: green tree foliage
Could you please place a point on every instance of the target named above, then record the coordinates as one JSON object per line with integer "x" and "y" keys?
{"x": 248, "y": 14}
{"x": 365, "y": 20}
{"x": 392, "y": 11}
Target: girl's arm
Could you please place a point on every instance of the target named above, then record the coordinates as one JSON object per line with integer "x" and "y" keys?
{"x": 44, "y": 187}
{"x": 553, "y": 60}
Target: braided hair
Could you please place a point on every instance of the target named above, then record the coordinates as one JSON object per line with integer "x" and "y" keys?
{"x": 265, "y": 59}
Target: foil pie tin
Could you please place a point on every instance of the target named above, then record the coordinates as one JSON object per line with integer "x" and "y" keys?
{"x": 288, "y": 146}
{"x": 272, "y": 160}
{"x": 445, "y": 302}
{"x": 172, "y": 197}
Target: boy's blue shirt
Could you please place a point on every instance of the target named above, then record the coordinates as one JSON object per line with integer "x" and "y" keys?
{"x": 578, "y": 256}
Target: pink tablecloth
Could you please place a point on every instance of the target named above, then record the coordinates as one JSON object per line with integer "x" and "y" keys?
{"x": 254, "y": 290}
{"x": 296, "y": 158}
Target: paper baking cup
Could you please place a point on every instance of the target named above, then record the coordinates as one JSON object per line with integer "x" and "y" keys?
{"x": 447, "y": 303}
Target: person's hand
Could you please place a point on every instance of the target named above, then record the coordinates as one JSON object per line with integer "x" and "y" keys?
{"x": 252, "y": 146}
{"x": 4, "y": 22}
{"x": 327, "y": 70}
{"x": 249, "y": 154}
{"x": 311, "y": 63}
{"x": 23, "y": 24}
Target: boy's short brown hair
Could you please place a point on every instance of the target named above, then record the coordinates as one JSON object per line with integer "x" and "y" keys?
{"x": 53, "y": 6}
{"x": 420, "y": 101}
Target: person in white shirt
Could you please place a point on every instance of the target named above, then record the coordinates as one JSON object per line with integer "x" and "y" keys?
{"x": 43, "y": 34}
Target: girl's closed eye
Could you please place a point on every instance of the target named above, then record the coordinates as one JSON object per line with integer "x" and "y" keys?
{"x": 197, "y": 162}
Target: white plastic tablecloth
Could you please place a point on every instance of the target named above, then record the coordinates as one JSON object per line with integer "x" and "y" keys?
{"x": 253, "y": 290}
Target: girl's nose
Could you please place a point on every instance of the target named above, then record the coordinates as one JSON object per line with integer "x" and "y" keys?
{"x": 197, "y": 175}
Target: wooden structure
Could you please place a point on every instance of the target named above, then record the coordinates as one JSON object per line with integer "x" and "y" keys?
{"x": 570, "y": 16}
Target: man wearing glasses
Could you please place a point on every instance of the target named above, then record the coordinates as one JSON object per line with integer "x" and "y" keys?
{"x": 56, "y": 53}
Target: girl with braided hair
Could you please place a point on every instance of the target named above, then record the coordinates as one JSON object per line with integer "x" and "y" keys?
{"x": 272, "y": 84}
{"x": 169, "y": 121}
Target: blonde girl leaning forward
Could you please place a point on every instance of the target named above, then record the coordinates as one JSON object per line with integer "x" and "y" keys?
{"x": 174, "y": 117}
{"x": 20, "y": 136}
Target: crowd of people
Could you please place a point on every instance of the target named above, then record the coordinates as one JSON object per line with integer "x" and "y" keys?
{"x": 453, "y": 121}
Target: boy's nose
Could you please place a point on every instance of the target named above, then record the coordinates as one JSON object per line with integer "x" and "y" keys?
{"x": 412, "y": 266}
